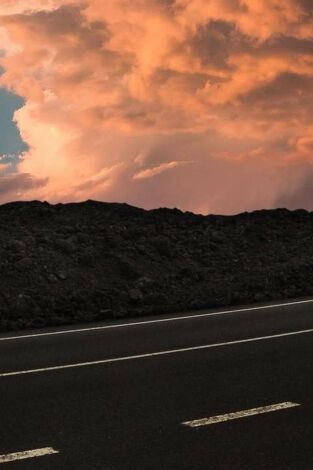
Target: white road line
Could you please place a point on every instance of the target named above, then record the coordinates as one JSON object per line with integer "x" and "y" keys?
{"x": 239, "y": 414}
{"x": 150, "y": 322}
{"x": 27, "y": 454}
{"x": 158, "y": 353}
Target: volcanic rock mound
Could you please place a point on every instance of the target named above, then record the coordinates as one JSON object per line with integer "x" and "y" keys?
{"x": 89, "y": 261}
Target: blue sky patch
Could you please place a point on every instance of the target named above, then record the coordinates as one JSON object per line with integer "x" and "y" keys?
{"x": 11, "y": 143}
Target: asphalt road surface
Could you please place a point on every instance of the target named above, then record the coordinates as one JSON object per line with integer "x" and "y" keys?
{"x": 223, "y": 389}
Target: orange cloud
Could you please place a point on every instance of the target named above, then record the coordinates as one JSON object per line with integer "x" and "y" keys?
{"x": 156, "y": 170}
{"x": 108, "y": 85}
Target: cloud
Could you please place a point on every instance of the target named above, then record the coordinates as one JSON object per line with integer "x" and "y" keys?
{"x": 300, "y": 195}
{"x": 156, "y": 170}
{"x": 104, "y": 178}
{"x": 31, "y": 6}
{"x": 4, "y": 167}
{"x": 17, "y": 185}
{"x": 226, "y": 84}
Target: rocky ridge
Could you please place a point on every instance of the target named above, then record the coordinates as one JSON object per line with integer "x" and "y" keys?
{"x": 68, "y": 263}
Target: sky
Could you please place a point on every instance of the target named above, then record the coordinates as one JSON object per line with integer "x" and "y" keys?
{"x": 204, "y": 105}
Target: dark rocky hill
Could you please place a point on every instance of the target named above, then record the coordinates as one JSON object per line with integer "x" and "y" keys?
{"x": 93, "y": 261}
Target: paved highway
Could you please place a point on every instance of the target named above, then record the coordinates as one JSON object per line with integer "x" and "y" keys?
{"x": 223, "y": 389}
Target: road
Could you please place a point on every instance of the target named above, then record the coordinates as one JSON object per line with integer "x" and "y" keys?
{"x": 129, "y": 395}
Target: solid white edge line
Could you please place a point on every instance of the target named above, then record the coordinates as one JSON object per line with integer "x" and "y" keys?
{"x": 27, "y": 454}
{"x": 239, "y": 414}
{"x": 158, "y": 353}
{"x": 149, "y": 322}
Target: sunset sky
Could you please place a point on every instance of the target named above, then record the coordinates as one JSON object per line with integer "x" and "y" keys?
{"x": 204, "y": 105}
